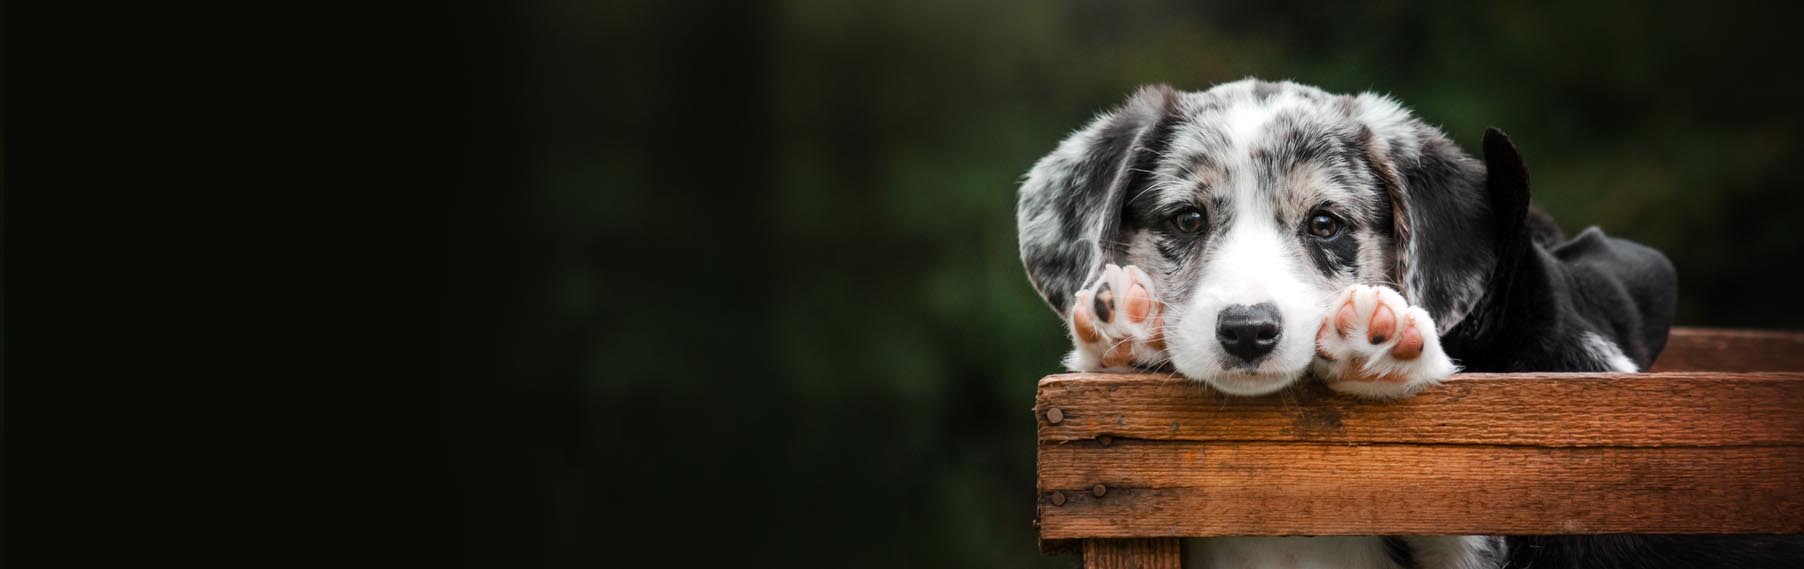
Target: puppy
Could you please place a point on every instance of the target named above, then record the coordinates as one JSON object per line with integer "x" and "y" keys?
{"x": 1258, "y": 233}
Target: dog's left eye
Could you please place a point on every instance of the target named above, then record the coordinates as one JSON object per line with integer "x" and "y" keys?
{"x": 1324, "y": 225}
{"x": 1188, "y": 221}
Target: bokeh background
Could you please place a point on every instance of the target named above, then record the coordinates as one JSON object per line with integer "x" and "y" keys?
{"x": 756, "y": 298}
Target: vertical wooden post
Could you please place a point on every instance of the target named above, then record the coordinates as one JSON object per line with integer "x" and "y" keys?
{"x": 1156, "y": 553}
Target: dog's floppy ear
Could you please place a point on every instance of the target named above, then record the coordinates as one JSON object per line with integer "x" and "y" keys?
{"x": 1506, "y": 184}
{"x": 1069, "y": 209}
{"x": 1442, "y": 215}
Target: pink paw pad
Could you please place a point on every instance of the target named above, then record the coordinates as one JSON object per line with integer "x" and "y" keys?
{"x": 1116, "y": 320}
{"x": 1380, "y": 347}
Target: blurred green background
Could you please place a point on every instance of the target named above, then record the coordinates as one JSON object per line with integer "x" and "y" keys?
{"x": 760, "y": 298}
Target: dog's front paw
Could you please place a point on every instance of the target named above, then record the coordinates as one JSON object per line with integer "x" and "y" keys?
{"x": 1116, "y": 321}
{"x": 1374, "y": 344}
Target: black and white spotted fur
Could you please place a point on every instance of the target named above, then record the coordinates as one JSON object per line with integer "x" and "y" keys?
{"x": 1212, "y": 203}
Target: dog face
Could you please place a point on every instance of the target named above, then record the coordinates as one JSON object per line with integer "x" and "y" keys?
{"x": 1250, "y": 205}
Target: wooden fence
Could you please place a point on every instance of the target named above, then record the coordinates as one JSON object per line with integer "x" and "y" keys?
{"x": 1712, "y": 441}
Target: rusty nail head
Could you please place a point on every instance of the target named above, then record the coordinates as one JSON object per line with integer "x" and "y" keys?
{"x": 1099, "y": 490}
{"x": 1105, "y": 440}
{"x": 1055, "y": 416}
{"x": 1058, "y": 498}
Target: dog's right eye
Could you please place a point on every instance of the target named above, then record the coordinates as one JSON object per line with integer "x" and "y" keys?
{"x": 1190, "y": 220}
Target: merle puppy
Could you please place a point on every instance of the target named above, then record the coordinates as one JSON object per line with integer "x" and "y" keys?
{"x": 1258, "y": 233}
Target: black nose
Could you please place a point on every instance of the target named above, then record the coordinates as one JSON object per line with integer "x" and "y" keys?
{"x": 1249, "y": 332}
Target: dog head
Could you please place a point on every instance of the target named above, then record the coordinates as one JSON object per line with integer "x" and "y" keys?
{"x": 1250, "y": 205}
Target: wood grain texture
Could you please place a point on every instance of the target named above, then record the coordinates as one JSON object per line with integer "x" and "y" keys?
{"x": 1550, "y": 410}
{"x": 1132, "y": 554}
{"x": 1147, "y": 455}
{"x": 1715, "y": 349}
{"x": 1213, "y": 489}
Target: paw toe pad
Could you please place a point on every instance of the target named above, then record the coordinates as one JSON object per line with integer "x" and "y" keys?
{"x": 1384, "y": 321}
{"x": 1116, "y": 319}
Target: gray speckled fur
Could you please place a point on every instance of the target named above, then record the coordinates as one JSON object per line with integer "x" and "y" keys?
{"x": 1402, "y": 182}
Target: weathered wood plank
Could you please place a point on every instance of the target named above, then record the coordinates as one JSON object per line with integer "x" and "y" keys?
{"x": 1132, "y": 554}
{"x": 1211, "y": 489}
{"x": 1548, "y": 410}
{"x": 1714, "y": 349}
{"x": 1150, "y": 456}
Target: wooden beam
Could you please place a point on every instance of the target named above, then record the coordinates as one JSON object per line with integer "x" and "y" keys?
{"x": 1714, "y": 349}
{"x": 1214, "y": 489}
{"x": 1132, "y": 554}
{"x": 1549, "y": 410}
{"x": 1151, "y": 456}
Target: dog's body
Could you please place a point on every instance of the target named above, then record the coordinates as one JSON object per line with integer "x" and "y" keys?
{"x": 1258, "y": 233}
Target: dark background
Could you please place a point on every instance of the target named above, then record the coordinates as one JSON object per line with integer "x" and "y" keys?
{"x": 757, "y": 296}
{"x": 755, "y": 293}
{"x": 616, "y": 284}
